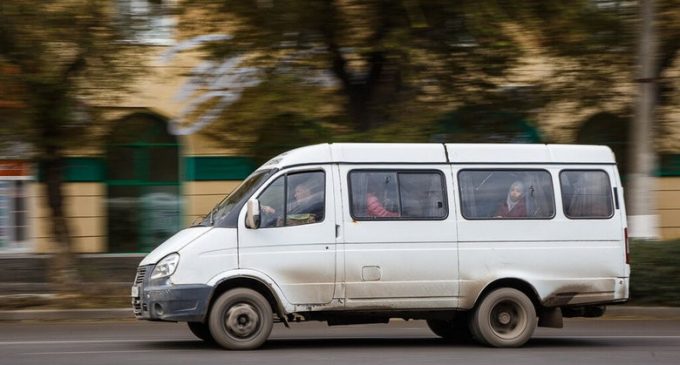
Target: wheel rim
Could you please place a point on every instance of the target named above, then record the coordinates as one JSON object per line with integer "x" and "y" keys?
{"x": 242, "y": 321}
{"x": 508, "y": 319}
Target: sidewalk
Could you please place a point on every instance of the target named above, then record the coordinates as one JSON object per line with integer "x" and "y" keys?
{"x": 613, "y": 312}
{"x": 639, "y": 312}
{"x": 66, "y": 314}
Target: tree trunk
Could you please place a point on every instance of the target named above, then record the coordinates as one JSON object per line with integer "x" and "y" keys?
{"x": 367, "y": 98}
{"x": 358, "y": 107}
{"x": 642, "y": 220}
{"x": 64, "y": 271}
{"x": 369, "y": 101}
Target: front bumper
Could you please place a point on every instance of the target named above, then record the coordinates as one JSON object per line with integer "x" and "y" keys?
{"x": 169, "y": 302}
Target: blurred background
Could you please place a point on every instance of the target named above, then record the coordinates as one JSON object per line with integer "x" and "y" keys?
{"x": 122, "y": 121}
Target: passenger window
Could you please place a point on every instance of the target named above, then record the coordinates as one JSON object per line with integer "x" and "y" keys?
{"x": 397, "y": 194}
{"x": 586, "y": 194}
{"x": 422, "y": 195}
{"x": 506, "y": 194}
{"x": 303, "y": 196}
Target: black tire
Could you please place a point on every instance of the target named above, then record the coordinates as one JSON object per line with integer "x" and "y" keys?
{"x": 456, "y": 329}
{"x": 201, "y": 330}
{"x": 506, "y": 317}
{"x": 241, "y": 319}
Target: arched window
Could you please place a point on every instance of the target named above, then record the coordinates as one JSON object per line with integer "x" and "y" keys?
{"x": 143, "y": 190}
{"x": 610, "y": 130}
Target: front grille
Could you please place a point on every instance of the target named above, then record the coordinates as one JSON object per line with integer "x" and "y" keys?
{"x": 138, "y": 304}
{"x": 141, "y": 272}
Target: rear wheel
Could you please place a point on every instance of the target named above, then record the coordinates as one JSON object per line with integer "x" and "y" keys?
{"x": 506, "y": 317}
{"x": 241, "y": 319}
{"x": 201, "y": 330}
{"x": 456, "y": 329}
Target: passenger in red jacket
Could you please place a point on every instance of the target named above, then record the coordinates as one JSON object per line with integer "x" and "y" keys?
{"x": 374, "y": 207}
{"x": 514, "y": 205}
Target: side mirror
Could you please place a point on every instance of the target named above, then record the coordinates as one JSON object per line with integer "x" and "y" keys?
{"x": 253, "y": 214}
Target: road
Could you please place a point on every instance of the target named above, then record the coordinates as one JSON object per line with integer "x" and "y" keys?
{"x": 593, "y": 341}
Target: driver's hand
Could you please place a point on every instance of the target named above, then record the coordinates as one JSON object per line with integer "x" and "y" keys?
{"x": 268, "y": 210}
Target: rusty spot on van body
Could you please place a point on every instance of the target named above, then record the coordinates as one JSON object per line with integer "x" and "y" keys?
{"x": 565, "y": 294}
{"x": 579, "y": 294}
{"x": 373, "y": 308}
{"x": 300, "y": 285}
{"x": 335, "y": 304}
{"x": 470, "y": 291}
{"x": 559, "y": 299}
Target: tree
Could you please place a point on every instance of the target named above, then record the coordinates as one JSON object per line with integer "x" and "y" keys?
{"x": 394, "y": 67}
{"x": 380, "y": 58}
{"x": 57, "y": 56}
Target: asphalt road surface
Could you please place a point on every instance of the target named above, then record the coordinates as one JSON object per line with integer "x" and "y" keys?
{"x": 592, "y": 341}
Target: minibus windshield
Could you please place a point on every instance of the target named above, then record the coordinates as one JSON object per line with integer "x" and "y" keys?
{"x": 224, "y": 214}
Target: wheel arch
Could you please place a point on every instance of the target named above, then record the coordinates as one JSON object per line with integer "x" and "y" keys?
{"x": 253, "y": 283}
{"x": 514, "y": 283}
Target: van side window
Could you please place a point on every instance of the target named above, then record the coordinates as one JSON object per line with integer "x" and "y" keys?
{"x": 294, "y": 199}
{"x": 506, "y": 194}
{"x": 586, "y": 194}
{"x": 377, "y": 195}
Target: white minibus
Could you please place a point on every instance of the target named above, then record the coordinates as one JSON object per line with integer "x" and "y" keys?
{"x": 483, "y": 241}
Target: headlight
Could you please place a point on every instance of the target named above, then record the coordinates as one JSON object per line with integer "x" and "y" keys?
{"x": 166, "y": 266}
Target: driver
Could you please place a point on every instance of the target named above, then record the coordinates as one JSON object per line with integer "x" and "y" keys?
{"x": 304, "y": 207}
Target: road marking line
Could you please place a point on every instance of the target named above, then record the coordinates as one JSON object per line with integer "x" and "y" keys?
{"x": 614, "y": 337}
{"x": 93, "y": 352}
{"x": 66, "y": 342}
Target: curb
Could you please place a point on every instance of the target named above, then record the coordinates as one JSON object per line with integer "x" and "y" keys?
{"x": 613, "y": 312}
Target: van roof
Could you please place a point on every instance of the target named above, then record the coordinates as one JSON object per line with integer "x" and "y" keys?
{"x": 434, "y": 153}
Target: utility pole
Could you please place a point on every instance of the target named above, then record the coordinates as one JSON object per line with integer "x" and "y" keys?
{"x": 642, "y": 218}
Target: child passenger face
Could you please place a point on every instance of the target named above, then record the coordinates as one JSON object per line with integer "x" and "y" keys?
{"x": 515, "y": 193}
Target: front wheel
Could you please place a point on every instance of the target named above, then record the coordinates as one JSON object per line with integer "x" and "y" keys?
{"x": 506, "y": 317}
{"x": 241, "y": 319}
